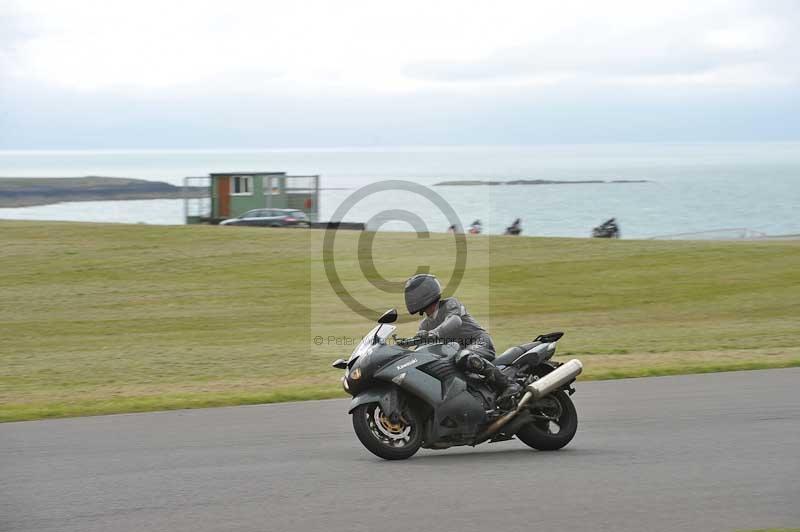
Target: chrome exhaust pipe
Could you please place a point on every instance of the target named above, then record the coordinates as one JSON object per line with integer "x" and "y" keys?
{"x": 535, "y": 390}
{"x": 555, "y": 379}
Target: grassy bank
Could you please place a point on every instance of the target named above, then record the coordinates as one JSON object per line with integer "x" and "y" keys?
{"x": 114, "y": 318}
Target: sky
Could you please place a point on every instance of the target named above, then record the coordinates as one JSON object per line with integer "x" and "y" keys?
{"x": 200, "y": 74}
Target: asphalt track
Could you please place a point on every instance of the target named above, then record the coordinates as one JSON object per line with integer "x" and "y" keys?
{"x": 714, "y": 452}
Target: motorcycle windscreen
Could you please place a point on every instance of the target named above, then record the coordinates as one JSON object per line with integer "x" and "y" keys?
{"x": 378, "y": 334}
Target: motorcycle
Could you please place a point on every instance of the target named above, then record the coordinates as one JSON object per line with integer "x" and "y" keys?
{"x": 608, "y": 229}
{"x": 515, "y": 228}
{"x": 408, "y": 393}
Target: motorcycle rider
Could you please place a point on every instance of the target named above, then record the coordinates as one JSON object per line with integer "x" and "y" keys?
{"x": 515, "y": 228}
{"x": 447, "y": 320}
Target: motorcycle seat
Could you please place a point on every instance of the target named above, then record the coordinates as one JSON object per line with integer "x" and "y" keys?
{"x": 513, "y": 355}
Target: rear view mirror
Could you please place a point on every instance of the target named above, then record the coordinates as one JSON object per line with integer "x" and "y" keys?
{"x": 390, "y": 316}
{"x": 340, "y": 364}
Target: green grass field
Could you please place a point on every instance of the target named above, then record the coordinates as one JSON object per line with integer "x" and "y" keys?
{"x": 101, "y": 318}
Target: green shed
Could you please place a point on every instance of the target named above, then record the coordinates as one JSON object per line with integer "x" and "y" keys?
{"x": 226, "y": 195}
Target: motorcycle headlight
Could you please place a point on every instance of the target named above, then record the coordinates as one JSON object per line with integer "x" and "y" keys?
{"x": 355, "y": 374}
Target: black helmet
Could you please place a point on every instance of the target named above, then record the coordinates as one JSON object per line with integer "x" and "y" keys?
{"x": 420, "y": 291}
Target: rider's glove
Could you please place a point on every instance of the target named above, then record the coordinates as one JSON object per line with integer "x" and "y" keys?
{"x": 427, "y": 335}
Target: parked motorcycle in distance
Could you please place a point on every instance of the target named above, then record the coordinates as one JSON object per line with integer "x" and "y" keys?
{"x": 608, "y": 229}
{"x": 408, "y": 393}
{"x": 515, "y": 228}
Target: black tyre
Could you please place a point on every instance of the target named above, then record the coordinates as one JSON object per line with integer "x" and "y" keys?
{"x": 391, "y": 441}
{"x": 556, "y": 426}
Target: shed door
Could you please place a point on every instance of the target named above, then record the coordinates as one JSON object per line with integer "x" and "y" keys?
{"x": 224, "y": 196}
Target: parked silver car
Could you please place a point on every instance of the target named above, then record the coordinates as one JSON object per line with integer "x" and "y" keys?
{"x": 271, "y": 218}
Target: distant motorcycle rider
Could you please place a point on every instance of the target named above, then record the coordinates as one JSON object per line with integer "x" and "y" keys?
{"x": 448, "y": 320}
{"x": 515, "y": 228}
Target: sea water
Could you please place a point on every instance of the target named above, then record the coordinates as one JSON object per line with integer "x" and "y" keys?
{"x": 689, "y": 188}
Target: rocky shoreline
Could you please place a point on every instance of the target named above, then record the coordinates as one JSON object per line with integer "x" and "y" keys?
{"x": 473, "y": 183}
{"x": 31, "y": 191}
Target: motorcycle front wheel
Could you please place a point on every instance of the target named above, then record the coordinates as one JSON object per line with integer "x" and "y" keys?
{"x": 555, "y": 426}
{"x": 391, "y": 440}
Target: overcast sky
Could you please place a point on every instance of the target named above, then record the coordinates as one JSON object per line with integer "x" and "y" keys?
{"x": 236, "y": 74}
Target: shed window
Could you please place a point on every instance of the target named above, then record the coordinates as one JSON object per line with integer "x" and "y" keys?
{"x": 271, "y": 186}
{"x": 302, "y": 183}
{"x": 241, "y": 185}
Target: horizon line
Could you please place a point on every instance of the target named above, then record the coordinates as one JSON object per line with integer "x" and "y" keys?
{"x": 368, "y": 148}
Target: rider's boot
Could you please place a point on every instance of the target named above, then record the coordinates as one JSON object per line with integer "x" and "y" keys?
{"x": 504, "y": 386}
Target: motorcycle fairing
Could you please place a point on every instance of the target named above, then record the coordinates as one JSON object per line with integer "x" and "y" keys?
{"x": 456, "y": 410}
{"x": 416, "y": 382}
{"x": 385, "y": 395}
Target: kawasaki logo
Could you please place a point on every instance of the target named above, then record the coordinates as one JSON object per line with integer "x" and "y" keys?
{"x": 409, "y": 363}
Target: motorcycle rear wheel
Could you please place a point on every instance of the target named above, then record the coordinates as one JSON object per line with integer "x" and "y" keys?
{"x": 384, "y": 438}
{"x": 551, "y": 435}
